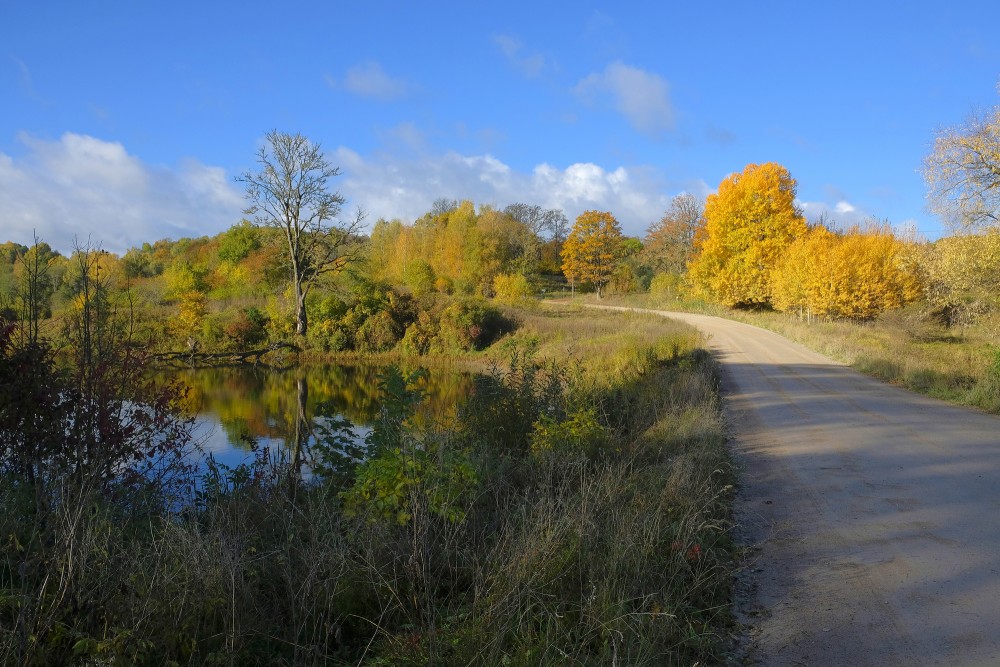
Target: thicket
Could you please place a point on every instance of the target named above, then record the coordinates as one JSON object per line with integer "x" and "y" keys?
{"x": 574, "y": 510}
{"x": 378, "y": 318}
{"x": 228, "y": 293}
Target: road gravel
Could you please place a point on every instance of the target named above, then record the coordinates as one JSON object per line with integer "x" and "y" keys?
{"x": 872, "y": 513}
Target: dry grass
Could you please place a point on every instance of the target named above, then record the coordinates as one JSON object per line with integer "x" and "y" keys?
{"x": 615, "y": 556}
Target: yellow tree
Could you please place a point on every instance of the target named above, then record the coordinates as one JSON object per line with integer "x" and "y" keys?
{"x": 873, "y": 274}
{"x": 592, "y": 250}
{"x": 856, "y": 275}
{"x": 381, "y": 250}
{"x": 798, "y": 276}
{"x": 749, "y": 223}
{"x": 963, "y": 275}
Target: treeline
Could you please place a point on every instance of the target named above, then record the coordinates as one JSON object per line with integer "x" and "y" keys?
{"x": 751, "y": 247}
{"x": 434, "y": 285}
{"x": 421, "y": 288}
{"x": 438, "y": 284}
{"x": 454, "y": 249}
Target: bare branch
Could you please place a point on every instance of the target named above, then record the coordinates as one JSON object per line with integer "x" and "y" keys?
{"x": 963, "y": 173}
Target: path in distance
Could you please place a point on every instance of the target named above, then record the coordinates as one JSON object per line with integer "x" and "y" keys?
{"x": 874, "y": 512}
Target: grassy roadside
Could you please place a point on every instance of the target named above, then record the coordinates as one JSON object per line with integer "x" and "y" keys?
{"x": 575, "y": 511}
{"x": 960, "y": 364}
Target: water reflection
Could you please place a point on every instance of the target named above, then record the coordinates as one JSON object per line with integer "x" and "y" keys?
{"x": 236, "y": 408}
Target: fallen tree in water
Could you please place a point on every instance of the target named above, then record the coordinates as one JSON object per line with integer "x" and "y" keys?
{"x": 193, "y": 357}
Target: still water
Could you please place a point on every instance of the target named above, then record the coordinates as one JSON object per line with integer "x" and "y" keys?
{"x": 237, "y": 407}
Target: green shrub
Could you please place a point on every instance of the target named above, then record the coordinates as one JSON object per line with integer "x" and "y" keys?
{"x": 666, "y": 286}
{"x": 419, "y": 277}
{"x": 329, "y": 336}
{"x": 505, "y": 404}
{"x": 986, "y": 393}
{"x": 378, "y": 333}
{"x": 471, "y": 324}
{"x": 625, "y": 280}
{"x": 213, "y": 331}
{"x": 579, "y": 433}
{"x": 238, "y": 242}
{"x": 330, "y": 307}
{"x": 419, "y": 336}
{"x": 405, "y": 474}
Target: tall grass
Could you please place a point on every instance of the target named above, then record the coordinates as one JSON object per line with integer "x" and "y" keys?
{"x": 575, "y": 511}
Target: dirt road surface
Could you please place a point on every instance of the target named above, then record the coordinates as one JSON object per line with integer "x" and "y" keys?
{"x": 874, "y": 512}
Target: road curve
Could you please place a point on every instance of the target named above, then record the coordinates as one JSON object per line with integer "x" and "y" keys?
{"x": 874, "y": 512}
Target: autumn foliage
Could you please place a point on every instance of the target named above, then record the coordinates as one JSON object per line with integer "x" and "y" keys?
{"x": 962, "y": 275}
{"x": 963, "y": 173}
{"x": 593, "y": 250}
{"x": 749, "y": 223}
{"x": 755, "y": 248}
{"x": 459, "y": 251}
{"x": 855, "y": 275}
{"x": 670, "y": 241}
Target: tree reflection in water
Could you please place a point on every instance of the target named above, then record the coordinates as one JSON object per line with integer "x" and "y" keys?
{"x": 238, "y": 409}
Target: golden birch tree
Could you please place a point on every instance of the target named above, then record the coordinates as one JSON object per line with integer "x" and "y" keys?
{"x": 963, "y": 275}
{"x": 854, "y": 275}
{"x": 795, "y": 282}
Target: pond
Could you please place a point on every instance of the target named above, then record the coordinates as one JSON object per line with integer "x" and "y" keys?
{"x": 238, "y": 408}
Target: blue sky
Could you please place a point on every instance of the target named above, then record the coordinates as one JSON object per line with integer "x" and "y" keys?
{"x": 128, "y": 121}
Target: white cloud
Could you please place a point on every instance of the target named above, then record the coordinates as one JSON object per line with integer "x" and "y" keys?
{"x": 843, "y": 215}
{"x": 840, "y": 214}
{"x": 369, "y": 80}
{"x": 84, "y": 187}
{"x": 403, "y": 137}
{"x": 641, "y": 96}
{"x": 390, "y": 188}
{"x": 531, "y": 65}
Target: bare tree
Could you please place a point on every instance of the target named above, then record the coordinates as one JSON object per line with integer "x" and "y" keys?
{"x": 963, "y": 173}
{"x": 551, "y": 222}
{"x": 443, "y": 205}
{"x": 669, "y": 242}
{"x": 290, "y": 192}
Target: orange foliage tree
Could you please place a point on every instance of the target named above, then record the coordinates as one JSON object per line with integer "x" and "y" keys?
{"x": 593, "y": 249}
{"x": 749, "y": 223}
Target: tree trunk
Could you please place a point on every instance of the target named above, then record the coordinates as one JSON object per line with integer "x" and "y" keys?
{"x": 301, "y": 321}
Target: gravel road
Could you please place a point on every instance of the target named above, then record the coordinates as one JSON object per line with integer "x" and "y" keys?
{"x": 874, "y": 513}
